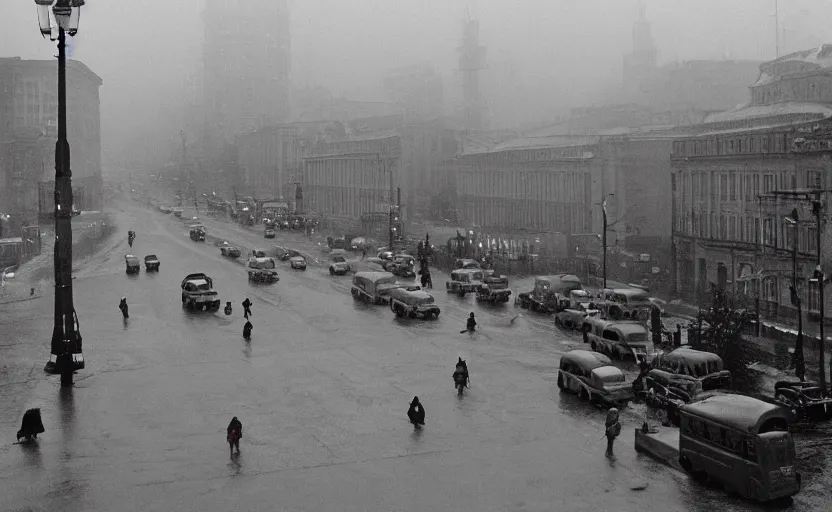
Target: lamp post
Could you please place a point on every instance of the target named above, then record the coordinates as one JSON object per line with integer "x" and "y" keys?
{"x": 797, "y": 359}
{"x": 817, "y": 209}
{"x": 604, "y": 237}
{"x": 66, "y": 355}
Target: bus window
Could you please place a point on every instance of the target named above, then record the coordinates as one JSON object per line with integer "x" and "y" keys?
{"x": 610, "y": 335}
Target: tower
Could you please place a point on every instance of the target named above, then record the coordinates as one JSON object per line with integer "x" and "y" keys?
{"x": 471, "y": 61}
{"x": 639, "y": 64}
{"x": 246, "y": 62}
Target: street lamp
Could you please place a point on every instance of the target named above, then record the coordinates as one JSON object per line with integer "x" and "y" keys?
{"x": 604, "y": 237}
{"x": 797, "y": 359}
{"x": 817, "y": 210}
{"x": 66, "y": 350}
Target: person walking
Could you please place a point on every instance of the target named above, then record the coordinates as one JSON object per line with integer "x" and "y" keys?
{"x": 233, "y": 434}
{"x": 613, "y": 429}
{"x": 247, "y": 308}
{"x": 416, "y": 413}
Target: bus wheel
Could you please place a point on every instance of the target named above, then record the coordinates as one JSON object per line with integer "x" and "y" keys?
{"x": 584, "y": 394}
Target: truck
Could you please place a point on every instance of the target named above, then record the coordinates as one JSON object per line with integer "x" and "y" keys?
{"x": 198, "y": 293}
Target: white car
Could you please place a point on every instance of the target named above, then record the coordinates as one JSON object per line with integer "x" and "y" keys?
{"x": 298, "y": 262}
{"x": 339, "y": 266}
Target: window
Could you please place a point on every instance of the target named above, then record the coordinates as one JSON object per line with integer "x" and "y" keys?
{"x": 732, "y": 228}
{"x": 769, "y": 237}
{"x": 748, "y": 187}
{"x": 765, "y": 143}
{"x": 756, "y": 235}
{"x": 732, "y": 146}
{"x": 789, "y": 232}
{"x": 812, "y": 236}
{"x": 723, "y": 227}
{"x": 813, "y": 179}
{"x": 768, "y": 183}
{"x": 723, "y": 187}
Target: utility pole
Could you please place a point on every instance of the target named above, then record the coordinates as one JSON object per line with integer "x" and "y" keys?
{"x": 797, "y": 359}
{"x": 604, "y": 240}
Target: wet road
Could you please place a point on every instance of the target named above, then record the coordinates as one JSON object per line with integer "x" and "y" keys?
{"x": 322, "y": 391}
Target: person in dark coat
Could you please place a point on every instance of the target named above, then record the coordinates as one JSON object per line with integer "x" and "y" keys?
{"x": 247, "y": 330}
{"x": 31, "y": 425}
{"x": 234, "y": 433}
{"x": 416, "y": 413}
{"x": 123, "y": 307}
{"x": 246, "y": 308}
{"x": 471, "y": 324}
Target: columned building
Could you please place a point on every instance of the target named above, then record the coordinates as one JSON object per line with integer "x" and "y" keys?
{"x": 740, "y": 174}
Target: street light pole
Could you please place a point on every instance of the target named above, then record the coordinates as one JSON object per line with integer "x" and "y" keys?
{"x": 798, "y": 359}
{"x": 66, "y": 347}
{"x": 817, "y": 208}
{"x": 604, "y": 243}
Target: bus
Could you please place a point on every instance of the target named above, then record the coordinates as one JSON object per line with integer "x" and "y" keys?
{"x": 742, "y": 442}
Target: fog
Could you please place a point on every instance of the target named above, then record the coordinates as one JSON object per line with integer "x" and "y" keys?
{"x": 544, "y": 56}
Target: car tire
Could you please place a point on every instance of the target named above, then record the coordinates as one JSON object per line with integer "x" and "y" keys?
{"x": 331, "y": 271}
{"x": 584, "y": 394}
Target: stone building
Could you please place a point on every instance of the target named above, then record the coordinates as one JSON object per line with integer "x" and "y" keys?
{"x": 353, "y": 178}
{"x": 28, "y": 130}
{"x": 736, "y": 178}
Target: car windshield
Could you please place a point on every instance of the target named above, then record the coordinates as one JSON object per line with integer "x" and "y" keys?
{"x": 338, "y": 259}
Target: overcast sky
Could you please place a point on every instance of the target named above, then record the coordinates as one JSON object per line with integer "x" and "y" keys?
{"x": 553, "y": 53}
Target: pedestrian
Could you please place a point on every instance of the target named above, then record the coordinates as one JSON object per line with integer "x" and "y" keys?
{"x": 233, "y": 434}
{"x": 613, "y": 429}
{"x": 677, "y": 336}
{"x": 123, "y": 307}
{"x": 247, "y": 308}
{"x": 363, "y": 252}
{"x": 31, "y": 425}
{"x": 470, "y": 325}
{"x": 416, "y": 413}
{"x": 247, "y": 330}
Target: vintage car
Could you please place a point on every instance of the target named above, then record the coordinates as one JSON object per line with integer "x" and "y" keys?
{"x": 230, "y": 251}
{"x": 268, "y": 233}
{"x": 413, "y": 302}
{"x": 705, "y": 367}
{"x": 493, "y": 289}
{"x": 550, "y": 293}
{"x": 619, "y": 339}
{"x": 466, "y": 263}
{"x": 464, "y": 280}
{"x": 338, "y": 263}
{"x": 633, "y": 303}
{"x": 593, "y": 378}
{"x": 263, "y": 275}
{"x": 132, "y": 263}
{"x": 358, "y": 243}
{"x": 806, "y": 400}
{"x": 668, "y": 392}
{"x": 177, "y": 211}
{"x": 262, "y": 263}
{"x": 297, "y": 262}
{"x": 574, "y": 318}
{"x": 197, "y": 232}
{"x": 385, "y": 255}
{"x": 198, "y": 293}
{"x": 373, "y": 287}
{"x": 403, "y": 266}
{"x": 165, "y": 209}
{"x": 375, "y": 264}
{"x": 151, "y": 263}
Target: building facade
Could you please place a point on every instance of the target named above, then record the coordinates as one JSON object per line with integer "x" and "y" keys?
{"x": 28, "y": 130}
{"x": 353, "y": 178}
{"x": 246, "y": 61}
{"x": 546, "y": 186}
{"x": 271, "y": 160}
{"x": 738, "y": 177}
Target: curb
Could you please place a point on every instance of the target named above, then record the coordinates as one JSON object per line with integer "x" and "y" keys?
{"x": 662, "y": 446}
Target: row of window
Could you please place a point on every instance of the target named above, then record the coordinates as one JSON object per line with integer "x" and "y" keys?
{"x": 346, "y": 201}
{"x": 721, "y": 437}
{"x": 772, "y": 230}
{"x": 768, "y": 289}
{"x": 542, "y": 185}
{"x": 741, "y": 185}
{"x": 731, "y": 145}
{"x": 348, "y": 173}
{"x": 544, "y": 215}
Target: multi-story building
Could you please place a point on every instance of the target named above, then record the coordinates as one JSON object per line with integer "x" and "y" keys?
{"x": 246, "y": 59}
{"x": 353, "y": 179}
{"x": 28, "y": 129}
{"x": 739, "y": 175}
{"x": 270, "y": 160}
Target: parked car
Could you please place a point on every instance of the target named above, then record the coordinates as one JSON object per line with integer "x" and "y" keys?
{"x": 165, "y": 209}
{"x": 619, "y": 339}
{"x": 705, "y": 367}
{"x": 464, "y": 280}
{"x": 403, "y": 266}
{"x": 465, "y": 263}
{"x": 297, "y": 262}
{"x": 806, "y": 400}
{"x": 269, "y": 233}
{"x": 198, "y": 292}
{"x": 669, "y": 392}
{"x": 197, "y": 232}
{"x": 550, "y": 293}
{"x": 592, "y": 376}
{"x": 177, "y": 211}
{"x": 132, "y": 263}
{"x": 151, "y": 263}
{"x": 230, "y": 251}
